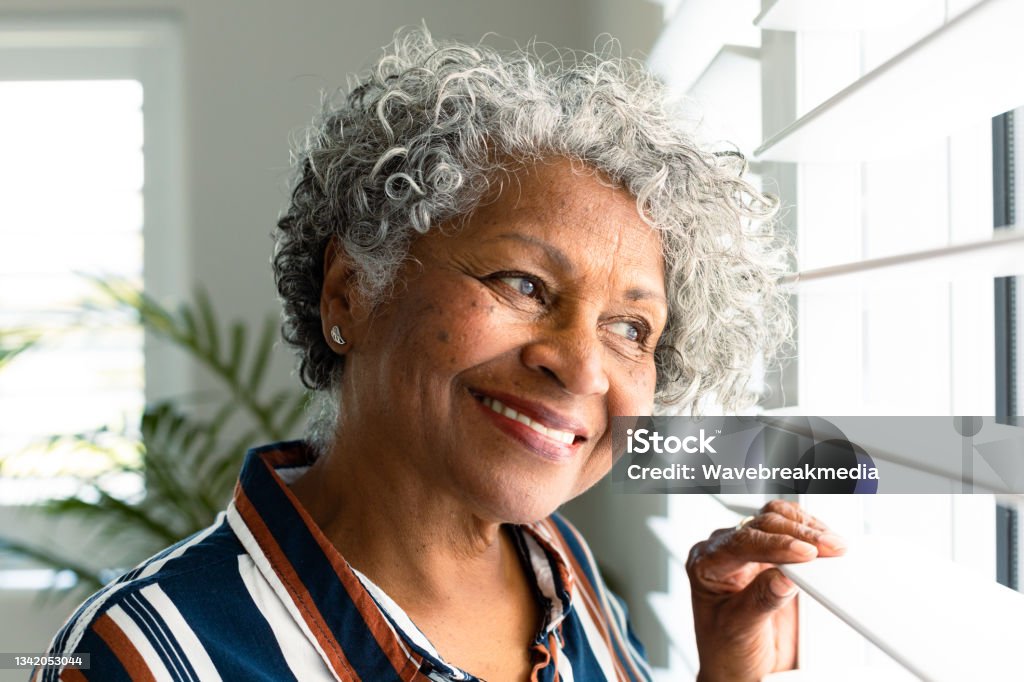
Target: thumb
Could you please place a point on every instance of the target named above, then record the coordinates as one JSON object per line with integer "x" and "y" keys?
{"x": 769, "y": 591}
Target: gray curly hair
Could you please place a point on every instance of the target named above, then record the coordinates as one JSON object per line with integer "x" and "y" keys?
{"x": 420, "y": 139}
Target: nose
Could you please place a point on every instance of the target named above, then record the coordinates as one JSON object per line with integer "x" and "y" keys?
{"x": 571, "y": 353}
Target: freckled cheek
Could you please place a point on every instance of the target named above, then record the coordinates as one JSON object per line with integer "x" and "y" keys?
{"x": 459, "y": 334}
{"x": 635, "y": 391}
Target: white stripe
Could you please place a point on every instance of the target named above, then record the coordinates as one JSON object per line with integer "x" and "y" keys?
{"x": 267, "y": 572}
{"x": 409, "y": 629}
{"x": 602, "y": 653}
{"x": 85, "y": 620}
{"x": 141, "y": 643}
{"x": 398, "y": 614}
{"x": 194, "y": 650}
{"x": 639, "y": 660}
{"x": 564, "y": 666}
{"x": 137, "y": 608}
{"x": 293, "y": 640}
{"x": 618, "y": 630}
{"x": 542, "y": 569}
{"x": 596, "y": 642}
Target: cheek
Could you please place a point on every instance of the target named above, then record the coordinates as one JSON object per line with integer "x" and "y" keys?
{"x": 635, "y": 395}
{"x": 459, "y": 332}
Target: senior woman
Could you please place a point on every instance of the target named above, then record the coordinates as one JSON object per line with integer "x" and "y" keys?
{"x": 486, "y": 258}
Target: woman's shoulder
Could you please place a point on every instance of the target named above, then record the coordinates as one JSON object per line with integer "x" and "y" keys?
{"x": 152, "y": 616}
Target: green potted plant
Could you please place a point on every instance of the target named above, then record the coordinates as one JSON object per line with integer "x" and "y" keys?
{"x": 186, "y": 460}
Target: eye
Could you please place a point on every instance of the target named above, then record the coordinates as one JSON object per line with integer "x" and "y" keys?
{"x": 629, "y": 329}
{"x": 522, "y": 284}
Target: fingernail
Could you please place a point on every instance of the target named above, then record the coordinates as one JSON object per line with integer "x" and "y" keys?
{"x": 832, "y": 542}
{"x": 781, "y": 586}
{"x": 804, "y": 549}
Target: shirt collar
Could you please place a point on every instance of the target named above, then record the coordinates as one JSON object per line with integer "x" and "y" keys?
{"x": 331, "y": 601}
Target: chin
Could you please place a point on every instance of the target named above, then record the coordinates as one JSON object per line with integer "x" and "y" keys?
{"x": 522, "y": 502}
{"x": 526, "y": 514}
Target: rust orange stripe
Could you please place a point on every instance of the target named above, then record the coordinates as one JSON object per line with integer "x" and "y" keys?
{"x": 590, "y": 598}
{"x": 122, "y": 647}
{"x": 72, "y": 675}
{"x": 290, "y": 579}
{"x": 623, "y": 646}
{"x": 555, "y": 650}
{"x": 374, "y": 619}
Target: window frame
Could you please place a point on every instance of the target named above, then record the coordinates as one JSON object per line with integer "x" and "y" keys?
{"x": 146, "y": 49}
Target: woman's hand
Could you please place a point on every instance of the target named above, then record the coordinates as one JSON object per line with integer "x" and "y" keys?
{"x": 743, "y": 607}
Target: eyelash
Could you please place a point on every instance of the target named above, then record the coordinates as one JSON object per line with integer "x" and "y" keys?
{"x": 539, "y": 294}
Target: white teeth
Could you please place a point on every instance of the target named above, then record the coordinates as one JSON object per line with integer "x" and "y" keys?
{"x": 566, "y": 437}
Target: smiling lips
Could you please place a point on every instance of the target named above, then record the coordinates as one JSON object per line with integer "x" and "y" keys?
{"x": 563, "y": 437}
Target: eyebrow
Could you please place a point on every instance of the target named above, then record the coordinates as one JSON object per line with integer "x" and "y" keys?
{"x": 637, "y": 294}
{"x": 552, "y": 251}
{"x": 563, "y": 261}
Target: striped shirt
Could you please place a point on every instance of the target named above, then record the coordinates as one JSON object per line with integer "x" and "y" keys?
{"x": 263, "y": 595}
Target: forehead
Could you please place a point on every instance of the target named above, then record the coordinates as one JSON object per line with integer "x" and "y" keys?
{"x": 579, "y": 212}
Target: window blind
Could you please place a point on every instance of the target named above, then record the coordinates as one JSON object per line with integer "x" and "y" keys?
{"x": 889, "y": 200}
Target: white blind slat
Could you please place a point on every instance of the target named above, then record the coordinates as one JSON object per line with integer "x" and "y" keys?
{"x": 949, "y": 625}
{"x": 807, "y": 15}
{"x": 942, "y": 83}
{"x": 696, "y": 33}
{"x": 1001, "y": 255}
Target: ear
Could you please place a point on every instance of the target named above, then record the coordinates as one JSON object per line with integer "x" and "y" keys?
{"x": 340, "y": 302}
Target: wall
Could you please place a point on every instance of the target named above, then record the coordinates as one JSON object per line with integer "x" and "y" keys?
{"x": 252, "y": 71}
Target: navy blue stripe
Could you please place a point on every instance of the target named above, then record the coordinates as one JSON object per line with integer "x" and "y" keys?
{"x": 571, "y": 543}
{"x": 131, "y": 606}
{"x": 631, "y": 636}
{"x": 579, "y": 650}
{"x": 583, "y": 560}
{"x": 135, "y": 572}
{"x": 315, "y": 571}
{"x": 430, "y": 662}
{"x": 60, "y": 642}
{"x": 144, "y": 605}
{"x": 104, "y": 664}
{"x": 234, "y": 632}
{"x": 560, "y": 589}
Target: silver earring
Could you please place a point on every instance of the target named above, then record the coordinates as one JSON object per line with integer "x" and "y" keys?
{"x": 336, "y": 335}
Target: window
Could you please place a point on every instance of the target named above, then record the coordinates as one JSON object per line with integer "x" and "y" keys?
{"x": 72, "y": 179}
{"x": 90, "y": 170}
{"x": 876, "y": 131}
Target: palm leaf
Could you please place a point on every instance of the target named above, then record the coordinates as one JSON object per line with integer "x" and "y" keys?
{"x": 189, "y": 465}
{"x": 13, "y": 344}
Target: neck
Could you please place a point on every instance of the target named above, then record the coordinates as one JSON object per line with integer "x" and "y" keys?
{"x": 418, "y": 545}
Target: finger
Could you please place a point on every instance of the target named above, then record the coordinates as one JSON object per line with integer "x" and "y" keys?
{"x": 753, "y": 544}
{"x": 827, "y": 542}
{"x": 768, "y": 592}
{"x": 794, "y": 512}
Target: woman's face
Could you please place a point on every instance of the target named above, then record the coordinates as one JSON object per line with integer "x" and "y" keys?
{"x": 494, "y": 371}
